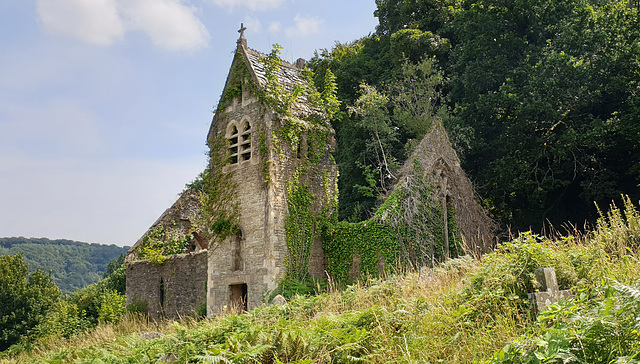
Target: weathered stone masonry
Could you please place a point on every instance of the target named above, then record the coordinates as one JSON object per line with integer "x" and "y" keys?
{"x": 243, "y": 268}
{"x": 173, "y": 288}
{"x": 261, "y": 249}
{"x": 263, "y": 163}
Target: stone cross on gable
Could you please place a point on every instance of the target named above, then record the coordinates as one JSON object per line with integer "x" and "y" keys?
{"x": 242, "y": 41}
{"x": 241, "y": 30}
{"x": 549, "y": 291}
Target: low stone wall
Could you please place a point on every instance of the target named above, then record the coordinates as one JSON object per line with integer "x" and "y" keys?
{"x": 173, "y": 288}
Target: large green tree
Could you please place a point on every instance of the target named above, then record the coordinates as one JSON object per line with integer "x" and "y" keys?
{"x": 543, "y": 97}
{"x": 550, "y": 91}
{"x": 25, "y": 299}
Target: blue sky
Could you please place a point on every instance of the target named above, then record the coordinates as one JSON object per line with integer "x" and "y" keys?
{"x": 105, "y": 104}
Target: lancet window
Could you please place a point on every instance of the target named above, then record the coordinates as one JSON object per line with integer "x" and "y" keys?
{"x": 239, "y": 142}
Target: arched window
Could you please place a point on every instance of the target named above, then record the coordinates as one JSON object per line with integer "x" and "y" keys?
{"x": 239, "y": 142}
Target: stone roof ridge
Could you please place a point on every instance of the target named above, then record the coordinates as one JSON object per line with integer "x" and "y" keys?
{"x": 186, "y": 207}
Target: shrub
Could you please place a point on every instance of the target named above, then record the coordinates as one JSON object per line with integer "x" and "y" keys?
{"x": 112, "y": 306}
{"x": 508, "y": 274}
{"x": 63, "y": 320}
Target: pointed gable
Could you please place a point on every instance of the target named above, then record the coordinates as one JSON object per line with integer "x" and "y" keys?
{"x": 250, "y": 65}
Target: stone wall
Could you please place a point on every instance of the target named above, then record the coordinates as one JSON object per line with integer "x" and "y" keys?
{"x": 262, "y": 208}
{"x": 255, "y": 257}
{"x": 174, "y": 288}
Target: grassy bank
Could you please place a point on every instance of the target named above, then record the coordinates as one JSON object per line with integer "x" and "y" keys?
{"x": 463, "y": 311}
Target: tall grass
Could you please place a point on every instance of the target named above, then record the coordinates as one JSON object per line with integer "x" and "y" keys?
{"x": 618, "y": 231}
{"x": 462, "y": 311}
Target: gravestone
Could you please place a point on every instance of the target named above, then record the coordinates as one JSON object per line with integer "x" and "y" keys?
{"x": 279, "y": 300}
{"x": 549, "y": 291}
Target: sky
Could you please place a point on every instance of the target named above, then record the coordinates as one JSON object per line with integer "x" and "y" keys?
{"x": 105, "y": 104}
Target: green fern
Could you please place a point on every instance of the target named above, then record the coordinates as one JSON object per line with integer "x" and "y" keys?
{"x": 628, "y": 291}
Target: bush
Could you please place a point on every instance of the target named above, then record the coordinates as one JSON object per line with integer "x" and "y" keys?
{"x": 63, "y": 320}
{"x": 112, "y": 306}
{"x": 508, "y": 274}
{"x": 117, "y": 280}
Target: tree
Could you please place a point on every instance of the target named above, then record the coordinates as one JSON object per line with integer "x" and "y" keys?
{"x": 549, "y": 89}
{"x": 374, "y": 118}
{"x": 26, "y": 298}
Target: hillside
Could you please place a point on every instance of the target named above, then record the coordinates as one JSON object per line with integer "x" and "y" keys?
{"x": 463, "y": 311}
{"x": 73, "y": 264}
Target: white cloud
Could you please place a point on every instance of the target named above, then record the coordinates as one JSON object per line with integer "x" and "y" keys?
{"x": 304, "y": 26}
{"x": 253, "y": 24}
{"x": 275, "y": 27}
{"x": 170, "y": 24}
{"x": 93, "y": 21}
{"x": 250, "y": 4}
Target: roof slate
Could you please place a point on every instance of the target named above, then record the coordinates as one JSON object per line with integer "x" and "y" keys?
{"x": 288, "y": 76}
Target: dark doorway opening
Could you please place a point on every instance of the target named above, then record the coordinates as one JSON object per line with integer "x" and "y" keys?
{"x": 238, "y": 300}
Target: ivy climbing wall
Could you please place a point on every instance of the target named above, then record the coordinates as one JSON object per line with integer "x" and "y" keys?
{"x": 283, "y": 177}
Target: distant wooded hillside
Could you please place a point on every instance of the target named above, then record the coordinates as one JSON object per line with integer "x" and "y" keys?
{"x": 73, "y": 264}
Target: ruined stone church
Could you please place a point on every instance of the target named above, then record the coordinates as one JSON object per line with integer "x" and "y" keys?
{"x": 268, "y": 156}
{"x": 240, "y": 269}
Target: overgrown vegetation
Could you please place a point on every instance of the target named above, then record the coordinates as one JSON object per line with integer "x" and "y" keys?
{"x": 541, "y": 100}
{"x": 219, "y": 206}
{"x": 34, "y": 310}
{"x": 407, "y": 231}
{"x": 461, "y": 311}
{"x": 162, "y": 241}
{"x": 240, "y": 79}
{"x": 302, "y": 224}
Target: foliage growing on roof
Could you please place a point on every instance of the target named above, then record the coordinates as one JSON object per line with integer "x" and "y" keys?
{"x": 161, "y": 242}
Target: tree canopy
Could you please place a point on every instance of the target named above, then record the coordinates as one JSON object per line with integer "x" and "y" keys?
{"x": 26, "y": 298}
{"x": 540, "y": 98}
